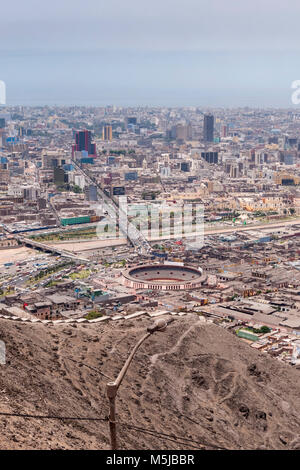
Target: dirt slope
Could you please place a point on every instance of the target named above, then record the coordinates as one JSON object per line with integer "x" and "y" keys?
{"x": 196, "y": 381}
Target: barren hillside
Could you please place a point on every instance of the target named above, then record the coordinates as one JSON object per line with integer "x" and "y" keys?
{"x": 195, "y": 381}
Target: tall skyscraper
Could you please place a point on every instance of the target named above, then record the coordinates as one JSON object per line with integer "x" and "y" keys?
{"x": 107, "y": 132}
{"x": 181, "y": 132}
{"x": 83, "y": 141}
{"x": 208, "y": 128}
{"x": 59, "y": 176}
{"x": 210, "y": 157}
{"x": 224, "y": 130}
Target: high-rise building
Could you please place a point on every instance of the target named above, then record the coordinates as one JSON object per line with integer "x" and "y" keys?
{"x": 224, "y": 130}
{"x": 4, "y": 174}
{"x": 210, "y": 157}
{"x": 107, "y": 132}
{"x": 59, "y": 176}
{"x": 91, "y": 192}
{"x": 83, "y": 141}
{"x": 53, "y": 159}
{"x": 288, "y": 157}
{"x": 181, "y": 132}
{"x": 208, "y": 128}
{"x": 185, "y": 166}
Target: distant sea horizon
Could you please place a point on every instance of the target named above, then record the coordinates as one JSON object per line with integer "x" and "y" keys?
{"x": 227, "y": 79}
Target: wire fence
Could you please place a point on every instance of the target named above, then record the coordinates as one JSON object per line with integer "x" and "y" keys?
{"x": 153, "y": 432}
{"x": 187, "y": 442}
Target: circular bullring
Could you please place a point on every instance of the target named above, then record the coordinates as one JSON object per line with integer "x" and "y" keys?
{"x": 164, "y": 277}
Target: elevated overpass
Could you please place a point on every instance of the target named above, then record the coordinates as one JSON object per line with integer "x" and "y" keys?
{"x": 134, "y": 236}
{"x": 50, "y": 249}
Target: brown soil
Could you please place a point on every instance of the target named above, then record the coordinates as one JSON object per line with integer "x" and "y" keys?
{"x": 195, "y": 381}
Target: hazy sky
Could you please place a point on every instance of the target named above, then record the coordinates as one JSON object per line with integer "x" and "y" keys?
{"x": 160, "y": 52}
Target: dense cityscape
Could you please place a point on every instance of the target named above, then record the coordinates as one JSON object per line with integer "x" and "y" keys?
{"x": 65, "y": 256}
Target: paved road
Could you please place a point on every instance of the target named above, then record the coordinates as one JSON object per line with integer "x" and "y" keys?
{"x": 252, "y": 227}
{"x": 115, "y": 213}
{"x": 53, "y": 249}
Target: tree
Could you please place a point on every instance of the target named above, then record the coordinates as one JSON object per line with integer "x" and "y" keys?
{"x": 77, "y": 189}
{"x": 265, "y": 329}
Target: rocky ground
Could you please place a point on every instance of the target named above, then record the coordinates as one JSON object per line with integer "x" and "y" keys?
{"x": 194, "y": 381}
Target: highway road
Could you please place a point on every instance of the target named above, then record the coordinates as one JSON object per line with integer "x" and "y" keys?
{"x": 49, "y": 248}
{"x": 135, "y": 237}
{"x": 243, "y": 228}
